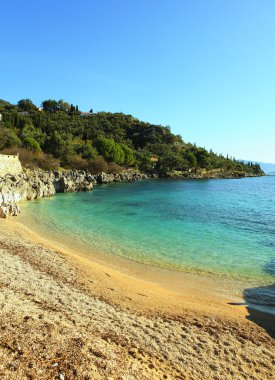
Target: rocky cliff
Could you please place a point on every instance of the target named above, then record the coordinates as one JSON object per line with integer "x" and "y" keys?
{"x": 36, "y": 184}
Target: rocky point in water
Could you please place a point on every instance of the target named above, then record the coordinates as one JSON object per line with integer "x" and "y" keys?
{"x": 33, "y": 184}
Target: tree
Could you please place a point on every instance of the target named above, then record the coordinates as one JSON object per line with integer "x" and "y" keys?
{"x": 202, "y": 157}
{"x": 129, "y": 157}
{"x": 50, "y": 105}
{"x": 63, "y": 106}
{"x": 191, "y": 159}
{"x": 110, "y": 150}
{"x": 32, "y": 144}
{"x": 87, "y": 151}
{"x": 117, "y": 137}
{"x": 8, "y": 138}
{"x": 26, "y": 105}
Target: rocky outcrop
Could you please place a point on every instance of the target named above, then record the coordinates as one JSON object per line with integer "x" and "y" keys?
{"x": 37, "y": 184}
{"x": 125, "y": 176}
{"x": 209, "y": 175}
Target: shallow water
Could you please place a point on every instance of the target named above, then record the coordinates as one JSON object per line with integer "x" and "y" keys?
{"x": 222, "y": 227}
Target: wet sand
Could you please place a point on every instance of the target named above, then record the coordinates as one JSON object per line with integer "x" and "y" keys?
{"x": 64, "y": 316}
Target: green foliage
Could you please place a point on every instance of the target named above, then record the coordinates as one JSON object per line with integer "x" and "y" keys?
{"x": 202, "y": 158}
{"x": 110, "y": 150}
{"x": 31, "y": 144}
{"x": 8, "y": 138}
{"x": 50, "y": 105}
{"x": 129, "y": 156}
{"x": 87, "y": 151}
{"x": 4, "y": 103}
{"x": 191, "y": 159}
{"x": 103, "y": 141}
{"x": 33, "y": 160}
{"x": 26, "y": 105}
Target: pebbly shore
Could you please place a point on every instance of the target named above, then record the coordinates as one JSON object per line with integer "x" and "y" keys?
{"x": 64, "y": 317}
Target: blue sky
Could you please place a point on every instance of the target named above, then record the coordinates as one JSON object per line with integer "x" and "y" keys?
{"x": 206, "y": 68}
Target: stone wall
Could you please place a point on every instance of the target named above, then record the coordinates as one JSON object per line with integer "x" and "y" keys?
{"x": 9, "y": 165}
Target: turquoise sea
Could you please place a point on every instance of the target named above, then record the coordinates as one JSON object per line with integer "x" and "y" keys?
{"x": 220, "y": 227}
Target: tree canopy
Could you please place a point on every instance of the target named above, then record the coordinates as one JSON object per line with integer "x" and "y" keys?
{"x": 95, "y": 140}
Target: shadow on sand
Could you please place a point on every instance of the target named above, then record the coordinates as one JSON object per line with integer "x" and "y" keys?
{"x": 260, "y": 303}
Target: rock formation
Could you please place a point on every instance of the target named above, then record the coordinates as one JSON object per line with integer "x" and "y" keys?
{"x": 38, "y": 183}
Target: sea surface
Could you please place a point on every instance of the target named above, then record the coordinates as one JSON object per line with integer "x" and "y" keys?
{"x": 217, "y": 227}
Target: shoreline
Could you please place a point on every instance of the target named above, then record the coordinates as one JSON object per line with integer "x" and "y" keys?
{"x": 37, "y": 183}
{"x": 200, "y": 292}
{"x": 62, "y": 314}
{"x": 223, "y": 288}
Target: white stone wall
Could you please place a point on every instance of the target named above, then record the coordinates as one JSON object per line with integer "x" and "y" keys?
{"x": 9, "y": 165}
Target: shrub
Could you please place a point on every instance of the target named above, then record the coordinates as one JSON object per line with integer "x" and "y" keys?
{"x": 47, "y": 162}
{"x": 114, "y": 168}
{"x": 110, "y": 150}
{"x": 33, "y": 160}
{"x": 32, "y": 144}
{"x": 97, "y": 165}
{"x": 78, "y": 163}
{"x": 87, "y": 151}
{"x": 8, "y": 138}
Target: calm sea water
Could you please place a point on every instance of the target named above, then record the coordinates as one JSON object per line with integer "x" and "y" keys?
{"x": 222, "y": 227}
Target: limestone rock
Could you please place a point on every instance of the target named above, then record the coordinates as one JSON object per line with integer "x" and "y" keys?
{"x": 33, "y": 184}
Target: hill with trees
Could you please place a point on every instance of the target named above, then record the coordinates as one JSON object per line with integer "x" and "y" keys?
{"x": 58, "y": 134}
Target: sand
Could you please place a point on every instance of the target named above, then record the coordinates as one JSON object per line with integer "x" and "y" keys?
{"x": 63, "y": 316}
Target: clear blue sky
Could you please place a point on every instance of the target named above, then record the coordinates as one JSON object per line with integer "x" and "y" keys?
{"x": 204, "y": 67}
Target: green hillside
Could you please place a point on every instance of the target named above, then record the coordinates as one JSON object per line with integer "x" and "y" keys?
{"x": 58, "y": 134}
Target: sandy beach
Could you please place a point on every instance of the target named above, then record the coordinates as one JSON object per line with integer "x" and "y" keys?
{"x": 63, "y": 316}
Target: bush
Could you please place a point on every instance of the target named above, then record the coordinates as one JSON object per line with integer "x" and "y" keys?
{"x": 32, "y": 144}
{"x": 33, "y": 160}
{"x": 114, "y": 168}
{"x": 78, "y": 163}
{"x": 129, "y": 156}
{"x": 47, "y": 162}
{"x": 8, "y": 138}
{"x": 97, "y": 165}
{"x": 87, "y": 151}
{"x": 110, "y": 150}
{"x": 25, "y": 156}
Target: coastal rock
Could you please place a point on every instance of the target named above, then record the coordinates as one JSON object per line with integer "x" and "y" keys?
{"x": 34, "y": 184}
{"x": 124, "y": 176}
{"x": 105, "y": 178}
{"x": 9, "y": 210}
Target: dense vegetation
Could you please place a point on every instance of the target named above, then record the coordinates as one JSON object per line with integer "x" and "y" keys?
{"x": 59, "y": 134}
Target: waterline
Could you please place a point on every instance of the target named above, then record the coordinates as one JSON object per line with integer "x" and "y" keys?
{"x": 220, "y": 227}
